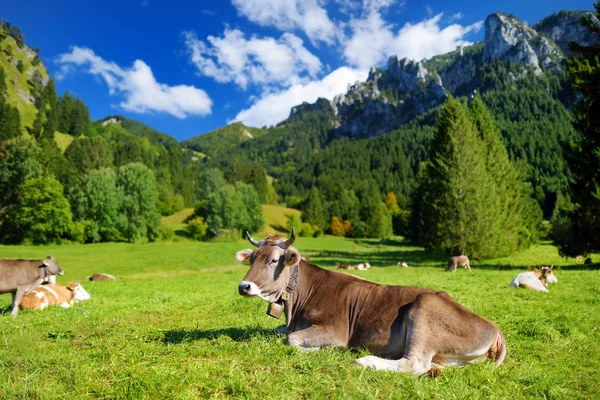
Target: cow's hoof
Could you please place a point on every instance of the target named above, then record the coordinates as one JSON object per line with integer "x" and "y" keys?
{"x": 368, "y": 362}
{"x": 281, "y": 330}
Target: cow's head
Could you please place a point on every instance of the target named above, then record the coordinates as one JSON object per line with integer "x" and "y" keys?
{"x": 79, "y": 293}
{"x": 550, "y": 277}
{"x": 51, "y": 265}
{"x": 270, "y": 266}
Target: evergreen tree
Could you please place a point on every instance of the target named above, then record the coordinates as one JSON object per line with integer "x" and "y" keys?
{"x": 458, "y": 207}
{"x": 88, "y": 154}
{"x": 53, "y": 114}
{"x": 584, "y": 153}
{"x": 314, "y": 209}
{"x": 511, "y": 228}
{"x": 66, "y": 107}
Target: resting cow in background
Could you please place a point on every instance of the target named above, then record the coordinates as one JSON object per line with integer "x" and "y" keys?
{"x": 101, "y": 277}
{"x": 408, "y": 329}
{"x": 535, "y": 280}
{"x": 462, "y": 261}
{"x": 51, "y": 295}
{"x": 19, "y": 277}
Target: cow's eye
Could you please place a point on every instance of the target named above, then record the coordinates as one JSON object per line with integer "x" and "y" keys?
{"x": 275, "y": 260}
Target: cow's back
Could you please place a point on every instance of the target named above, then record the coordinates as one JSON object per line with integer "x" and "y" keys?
{"x": 18, "y": 272}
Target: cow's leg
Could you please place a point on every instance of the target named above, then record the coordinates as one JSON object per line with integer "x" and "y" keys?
{"x": 281, "y": 329}
{"x": 312, "y": 338}
{"x": 17, "y": 297}
{"x": 454, "y": 267}
{"x": 437, "y": 329}
{"x": 468, "y": 266}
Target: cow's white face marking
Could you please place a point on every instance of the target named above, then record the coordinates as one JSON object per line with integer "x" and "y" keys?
{"x": 81, "y": 294}
{"x": 551, "y": 278}
{"x": 39, "y": 295}
{"x": 255, "y": 291}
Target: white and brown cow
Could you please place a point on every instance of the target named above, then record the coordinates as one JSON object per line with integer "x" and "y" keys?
{"x": 407, "y": 328}
{"x": 535, "y": 280}
{"x": 54, "y": 295}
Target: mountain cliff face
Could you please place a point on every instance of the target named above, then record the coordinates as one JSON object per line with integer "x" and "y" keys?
{"x": 393, "y": 96}
{"x": 565, "y": 27}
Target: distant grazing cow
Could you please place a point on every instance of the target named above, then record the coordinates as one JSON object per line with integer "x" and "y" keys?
{"x": 19, "y": 277}
{"x": 363, "y": 266}
{"x": 407, "y": 328}
{"x": 579, "y": 259}
{"x": 101, "y": 277}
{"x": 360, "y": 267}
{"x": 535, "y": 280}
{"x": 588, "y": 261}
{"x": 50, "y": 295}
{"x": 402, "y": 264}
{"x": 461, "y": 261}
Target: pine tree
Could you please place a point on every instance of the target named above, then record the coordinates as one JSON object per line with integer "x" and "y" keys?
{"x": 458, "y": 208}
{"x": 584, "y": 154}
{"x": 314, "y": 210}
{"x": 512, "y": 229}
{"x": 52, "y": 114}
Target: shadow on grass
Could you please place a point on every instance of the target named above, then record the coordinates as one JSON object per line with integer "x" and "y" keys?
{"x": 182, "y": 233}
{"x": 236, "y": 334}
{"x": 405, "y": 252}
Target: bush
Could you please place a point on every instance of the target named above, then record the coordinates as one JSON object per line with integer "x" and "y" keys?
{"x": 43, "y": 215}
{"x": 197, "y": 228}
{"x": 293, "y": 221}
{"x": 306, "y": 230}
{"x": 336, "y": 227}
{"x": 165, "y": 233}
{"x": 78, "y": 231}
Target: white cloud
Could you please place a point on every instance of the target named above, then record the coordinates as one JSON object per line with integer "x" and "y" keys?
{"x": 274, "y": 107}
{"x": 287, "y": 15}
{"x": 233, "y": 58}
{"x": 142, "y": 93}
{"x": 373, "y": 40}
{"x": 455, "y": 17}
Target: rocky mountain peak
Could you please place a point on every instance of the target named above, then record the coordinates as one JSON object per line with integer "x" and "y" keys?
{"x": 509, "y": 38}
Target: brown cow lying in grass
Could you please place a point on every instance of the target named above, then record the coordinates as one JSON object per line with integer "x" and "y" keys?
{"x": 407, "y": 328}
{"x": 54, "y": 295}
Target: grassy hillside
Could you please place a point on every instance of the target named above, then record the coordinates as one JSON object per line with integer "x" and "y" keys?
{"x": 275, "y": 219}
{"x": 228, "y": 137}
{"x": 141, "y": 130}
{"x": 20, "y": 84}
{"x": 63, "y": 140}
{"x": 173, "y": 326}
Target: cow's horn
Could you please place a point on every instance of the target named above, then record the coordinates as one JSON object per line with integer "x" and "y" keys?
{"x": 289, "y": 242}
{"x": 253, "y": 241}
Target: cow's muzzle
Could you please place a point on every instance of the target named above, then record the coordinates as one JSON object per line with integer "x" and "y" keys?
{"x": 246, "y": 288}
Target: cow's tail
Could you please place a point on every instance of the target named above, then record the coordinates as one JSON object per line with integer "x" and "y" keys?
{"x": 500, "y": 347}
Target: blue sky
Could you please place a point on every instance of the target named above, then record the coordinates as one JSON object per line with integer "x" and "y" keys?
{"x": 187, "y": 68}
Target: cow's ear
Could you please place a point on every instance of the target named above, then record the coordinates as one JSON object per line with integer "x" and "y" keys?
{"x": 292, "y": 257}
{"x": 243, "y": 255}
{"x": 46, "y": 262}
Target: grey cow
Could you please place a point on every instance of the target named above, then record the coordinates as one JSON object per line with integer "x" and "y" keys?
{"x": 462, "y": 261}
{"x": 19, "y": 277}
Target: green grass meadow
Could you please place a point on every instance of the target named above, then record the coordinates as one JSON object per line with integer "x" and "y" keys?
{"x": 173, "y": 326}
